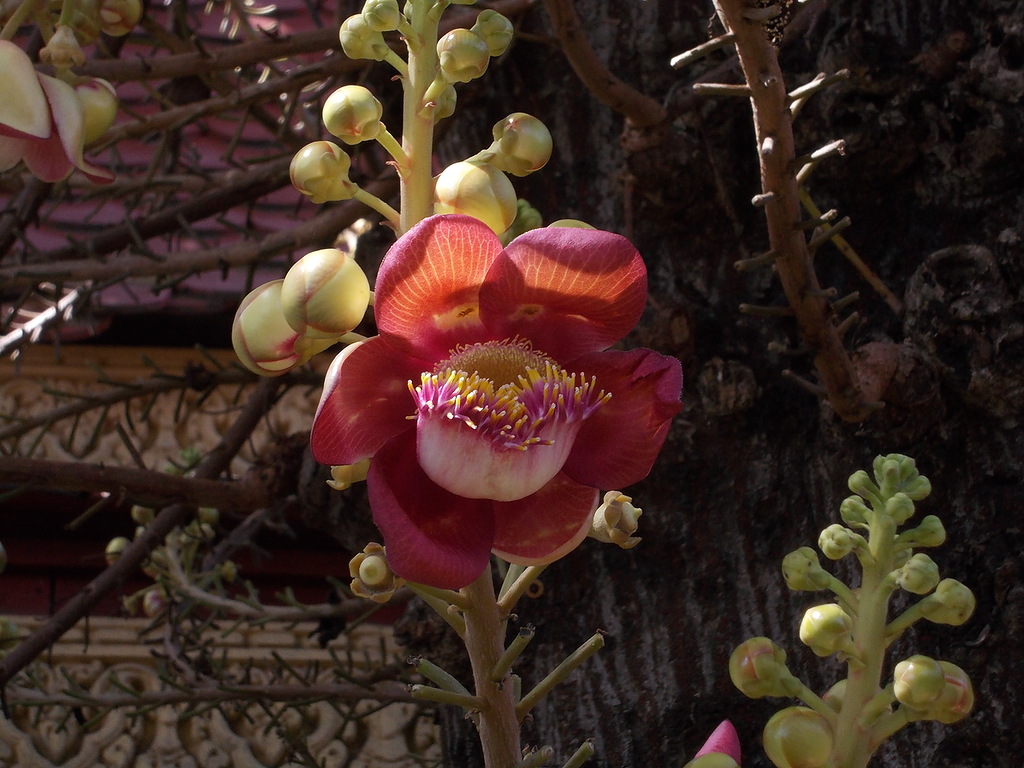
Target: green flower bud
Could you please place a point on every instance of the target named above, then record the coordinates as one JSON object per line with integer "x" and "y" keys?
{"x": 713, "y": 760}
{"x": 98, "y": 100}
{"x": 372, "y": 577}
{"x": 522, "y": 144}
{"x": 758, "y": 668}
{"x": 114, "y": 548}
{"x": 119, "y": 17}
{"x": 527, "y": 218}
{"x": 899, "y": 507}
{"x": 444, "y": 103}
{"x": 803, "y": 572}
{"x": 798, "y": 737}
{"x": 952, "y": 603}
{"x": 616, "y": 520}
{"x": 929, "y": 533}
{"x": 262, "y": 338}
{"x": 228, "y": 571}
{"x": 957, "y": 697}
{"x": 382, "y": 15}
{"x": 495, "y": 30}
{"x": 854, "y": 511}
{"x": 352, "y": 114}
{"x": 896, "y": 472}
{"x": 320, "y": 171}
{"x": 827, "y": 629}
{"x": 919, "y": 575}
{"x": 361, "y": 41}
{"x": 476, "y": 190}
{"x": 836, "y": 542}
{"x": 861, "y": 484}
{"x": 835, "y": 695}
{"x": 918, "y": 681}
{"x": 324, "y": 294}
{"x": 571, "y": 224}
{"x": 462, "y": 56}
{"x": 142, "y": 515}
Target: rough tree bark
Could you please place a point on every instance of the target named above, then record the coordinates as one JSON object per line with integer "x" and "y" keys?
{"x": 754, "y": 467}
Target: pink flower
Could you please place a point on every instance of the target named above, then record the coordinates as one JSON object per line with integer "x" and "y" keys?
{"x": 41, "y": 121}
{"x": 724, "y": 740}
{"x": 489, "y": 402}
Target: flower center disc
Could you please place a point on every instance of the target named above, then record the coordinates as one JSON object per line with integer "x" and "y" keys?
{"x": 501, "y": 362}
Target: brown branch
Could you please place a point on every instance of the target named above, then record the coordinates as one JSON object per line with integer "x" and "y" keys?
{"x": 148, "y": 488}
{"x": 776, "y": 153}
{"x": 640, "y": 110}
{"x": 211, "y": 467}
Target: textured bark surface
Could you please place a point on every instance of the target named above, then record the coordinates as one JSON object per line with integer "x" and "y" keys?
{"x": 755, "y": 467}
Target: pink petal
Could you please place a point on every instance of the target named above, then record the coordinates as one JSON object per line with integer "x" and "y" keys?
{"x": 46, "y": 158}
{"x": 432, "y": 536}
{"x": 545, "y": 525}
{"x": 618, "y": 444}
{"x": 365, "y": 402}
{"x": 427, "y": 293}
{"x": 70, "y": 126}
{"x": 723, "y": 739}
{"x": 568, "y": 290}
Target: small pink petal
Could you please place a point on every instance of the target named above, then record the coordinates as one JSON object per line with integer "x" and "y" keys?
{"x": 432, "y": 536}
{"x": 69, "y": 123}
{"x": 427, "y": 292}
{"x": 568, "y": 290}
{"x": 546, "y": 525}
{"x": 365, "y": 402}
{"x": 723, "y": 739}
{"x": 618, "y": 444}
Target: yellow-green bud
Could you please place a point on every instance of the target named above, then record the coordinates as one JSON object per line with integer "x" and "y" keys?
{"x": 957, "y": 697}
{"x": 320, "y": 171}
{"x": 382, "y": 15}
{"x": 495, "y": 30}
{"x": 481, "y": 191}
{"x": 372, "y": 577}
{"x": 918, "y": 681}
{"x": 837, "y": 541}
{"x": 98, "y": 100}
{"x": 861, "y": 484}
{"x": 444, "y": 103}
{"x": 854, "y": 511}
{"x": 345, "y": 475}
{"x": 798, "y": 737}
{"x": 522, "y": 144}
{"x": 208, "y": 515}
{"x": 899, "y": 507}
{"x": 951, "y": 603}
{"x": 262, "y": 338}
{"x": 919, "y": 575}
{"x": 325, "y": 294}
{"x": 758, "y": 668}
{"x": 352, "y": 114}
{"x": 228, "y": 571}
{"x": 616, "y": 520}
{"x": 115, "y": 547}
{"x": 929, "y": 533}
{"x": 361, "y": 41}
{"x": 462, "y": 56}
{"x": 142, "y": 515}
{"x": 827, "y": 629}
{"x": 119, "y": 17}
{"x": 527, "y": 218}
{"x": 154, "y": 602}
{"x": 835, "y": 695}
{"x": 571, "y": 224}
{"x": 803, "y": 572}
{"x": 896, "y": 472}
{"x": 713, "y": 760}
{"x": 63, "y": 51}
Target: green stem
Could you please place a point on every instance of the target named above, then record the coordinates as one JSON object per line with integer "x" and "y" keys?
{"x": 372, "y": 201}
{"x": 22, "y": 13}
{"x": 523, "y": 580}
{"x": 558, "y": 674}
{"x": 498, "y": 724}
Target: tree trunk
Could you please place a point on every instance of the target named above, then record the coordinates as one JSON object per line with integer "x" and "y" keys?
{"x": 755, "y": 467}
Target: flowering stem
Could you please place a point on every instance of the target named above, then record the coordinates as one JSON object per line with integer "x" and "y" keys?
{"x": 498, "y": 724}
{"x": 522, "y": 582}
{"x": 372, "y": 201}
{"x": 559, "y": 673}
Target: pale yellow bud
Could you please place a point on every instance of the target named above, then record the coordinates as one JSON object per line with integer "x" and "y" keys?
{"x": 119, "y": 17}
{"x": 262, "y": 338}
{"x": 571, "y": 224}
{"x": 522, "y": 144}
{"x": 462, "y": 56}
{"x": 798, "y": 737}
{"x": 758, "y": 668}
{"x": 495, "y": 30}
{"x": 320, "y": 171}
{"x": 99, "y": 107}
{"x": 115, "y": 547}
{"x": 827, "y": 629}
{"x": 382, "y": 15}
{"x": 372, "y": 577}
{"x": 352, "y": 114}
{"x": 918, "y": 681}
{"x": 63, "y": 50}
{"x": 359, "y": 40}
{"x": 481, "y": 191}
{"x": 324, "y": 294}
{"x": 616, "y": 520}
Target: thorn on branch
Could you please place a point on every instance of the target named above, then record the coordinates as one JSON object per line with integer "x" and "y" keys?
{"x": 761, "y": 260}
{"x": 826, "y": 218}
{"x": 761, "y": 200}
{"x": 848, "y": 323}
{"x": 827, "y": 233}
{"x": 699, "y": 52}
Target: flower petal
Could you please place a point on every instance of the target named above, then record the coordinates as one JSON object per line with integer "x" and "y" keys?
{"x": 69, "y": 123}
{"x": 546, "y": 525}
{"x": 570, "y": 291}
{"x": 723, "y": 739}
{"x": 432, "y": 536}
{"x": 365, "y": 402}
{"x": 427, "y": 292}
{"x": 618, "y": 444}
{"x": 22, "y": 103}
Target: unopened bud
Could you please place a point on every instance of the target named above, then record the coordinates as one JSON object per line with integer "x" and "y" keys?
{"x": 919, "y": 575}
{"x": 899, "y": 507}
{"x": 713, "y": 760}
{"x": 142, "y": 515}
{"x": 798, "y": 737}
{"x": 325, "y": 294}
{"x": 462, "y": 56}
{"x": 758, "y": 668}
{"x": 929, "y": 533}
{"x": 154, "y": 602}
{"x": 443, "y": 103}
{"x": 63, "y": 51}
{"x": 115, "y": 547}
{"x": 382, "y": 15}
{"x": 480, "y": 191}
{"x": 359, "y": 40}
{"x": 827, "y": 629}
{"x": 495, "y": 30}
{"x": 571, "y": 224}
{"x": 346, "y": 475}
{"x": 119, "y": 17}
{"x": 228, "y": 571}
{"x": 372, "y": 577}
{"x": 616, "y": 520}
{"x": 522, "y": 144}
{"x": 834, "y": 696}
{"x": 320, "y": 171}
{"x": 957, "y": 697}
{"x": 837, "y": 541}
{"x": 861, "y": 484}
{"x": 262, "y": 338}
{"x": 9, "y": 634}
{"x": 918, "y": 681}
{"x": 854, "y": 511}
{"x": 99, "y": 107}
{"x": 951, "y": 603}
{"x": 352, "y": 113}
{"x": 803, "y": 572}
{"x": 898, "y": 473}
